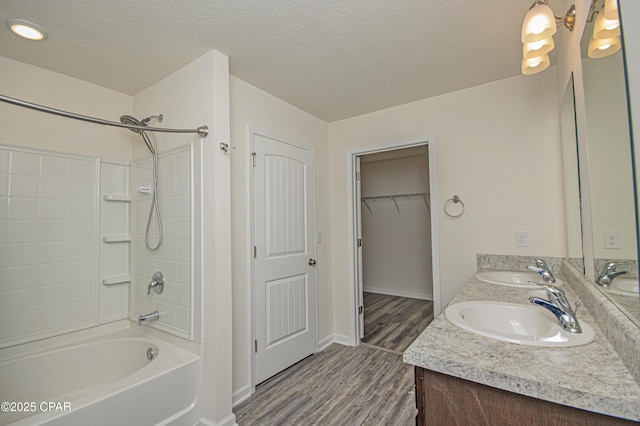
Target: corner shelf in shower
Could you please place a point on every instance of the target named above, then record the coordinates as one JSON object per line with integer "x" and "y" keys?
{"x": 121, "y": 279}
{"x": 116, "y": 238}
{"x": 117, "y": 198}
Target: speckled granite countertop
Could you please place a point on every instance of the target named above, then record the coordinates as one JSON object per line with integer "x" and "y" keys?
{"x": 590, "y": 377}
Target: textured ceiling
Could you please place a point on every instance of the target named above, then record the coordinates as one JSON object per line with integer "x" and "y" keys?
{"x": 333, "y": 58}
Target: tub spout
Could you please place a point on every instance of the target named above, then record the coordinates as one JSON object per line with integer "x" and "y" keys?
{"x": 147, "y": 318}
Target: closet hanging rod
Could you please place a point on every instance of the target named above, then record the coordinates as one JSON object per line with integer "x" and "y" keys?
{"x": 414, "y": 194}
{"x": 202, "y": 131}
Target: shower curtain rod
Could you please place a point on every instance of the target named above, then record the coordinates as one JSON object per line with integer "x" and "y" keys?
{"x": 202, "y": 131}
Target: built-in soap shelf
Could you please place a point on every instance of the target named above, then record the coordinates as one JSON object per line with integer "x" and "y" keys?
{"x": 117, "y": 198}
{"x": 121, "y": 279}
{"x": 116, "y": 238}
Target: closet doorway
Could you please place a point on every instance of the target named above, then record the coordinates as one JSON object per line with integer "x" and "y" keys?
{"x": 395, "y": 262}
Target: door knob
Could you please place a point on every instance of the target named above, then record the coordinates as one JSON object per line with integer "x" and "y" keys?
{"x": 312, "y": 262}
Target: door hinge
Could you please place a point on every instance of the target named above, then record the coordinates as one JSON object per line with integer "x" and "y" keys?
{"x": 255, "y": 346}
{"x": 359, "y": 242}
{"x": 253, "y": 156}
{"x": 361, "y": 310}
{"x": 255, "y": 252}
{"x": 357, "y": 175}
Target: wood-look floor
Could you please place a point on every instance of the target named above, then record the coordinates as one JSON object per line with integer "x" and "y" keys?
{"x": 341, "y": 385}
{"x": 366, "y": 385}
{"x": 393, "y": 322}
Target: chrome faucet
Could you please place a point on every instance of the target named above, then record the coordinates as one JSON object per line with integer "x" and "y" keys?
{"x": 147, "y": 318}
{"x": 608, "y": 274}
{"x": 542, "y": 268}
{"x": 559, "y": 306}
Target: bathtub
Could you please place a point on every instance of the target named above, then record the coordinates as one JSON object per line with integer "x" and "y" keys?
{"x": 101, "y": 380}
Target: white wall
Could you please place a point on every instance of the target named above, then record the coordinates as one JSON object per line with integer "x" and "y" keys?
{"x": 396, "y": 242}
{"x": 251, "y": 106}
{"x": 196, "y": 95}
{"x": 498, "y": 148}
{"x": 25, "y": 127}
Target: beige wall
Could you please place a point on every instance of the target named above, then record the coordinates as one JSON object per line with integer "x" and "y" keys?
{"x": 252, "y": 106}
{"x": 496, "y": 146}
{"x": 25, "y": 127}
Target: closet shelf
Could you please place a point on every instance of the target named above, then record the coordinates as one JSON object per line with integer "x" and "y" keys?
{"x": 116, "y": 238}
{"x": 121, "y": 279}
{"x": 118, "y": 198}
{"x": 395, "y": 197}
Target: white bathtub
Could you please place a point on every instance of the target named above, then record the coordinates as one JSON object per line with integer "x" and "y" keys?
{"x": 105, "y": 380}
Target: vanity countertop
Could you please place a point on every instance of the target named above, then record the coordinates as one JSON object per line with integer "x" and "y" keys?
{"x": 590, "y": 377}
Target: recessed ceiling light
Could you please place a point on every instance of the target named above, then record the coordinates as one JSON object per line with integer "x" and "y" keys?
{"x": 26, "y": 29}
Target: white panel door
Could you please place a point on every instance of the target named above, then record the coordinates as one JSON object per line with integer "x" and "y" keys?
{"x": 285, "y": 326}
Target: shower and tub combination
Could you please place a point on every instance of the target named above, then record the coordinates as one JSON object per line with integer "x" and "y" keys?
{"x": 107, "y": 336}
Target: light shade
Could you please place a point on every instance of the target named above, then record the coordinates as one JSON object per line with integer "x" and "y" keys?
{"x": 606, "y": 28}
{"x": 539, "y": 23}
{"x": 611, "y": 10}
{"x": 535, "y": 65}
{"x": 601, "y": 47}
{"x": 537, "y": 48}
{"x": 26, "y": 29}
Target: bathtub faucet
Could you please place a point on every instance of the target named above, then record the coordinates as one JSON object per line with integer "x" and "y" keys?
{"x": 147, "y": 318}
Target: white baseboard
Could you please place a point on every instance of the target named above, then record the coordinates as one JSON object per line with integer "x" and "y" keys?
{"x": 333, "y": 338}
{"x": 388, "y": 292}
{"x": 230, "y": 420}
{"x": 241, "y": 395}
{"x": 325, "y": 343}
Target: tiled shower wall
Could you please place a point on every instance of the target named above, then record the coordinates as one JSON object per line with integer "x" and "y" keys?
{"x": 173, "y": 258}
{"x": 48, "y": 244}
{"x": 66, "y": 240}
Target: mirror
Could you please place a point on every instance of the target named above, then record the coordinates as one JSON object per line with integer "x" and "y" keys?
{"x": 571, "y": 177}
{"x": 610, "y": 171}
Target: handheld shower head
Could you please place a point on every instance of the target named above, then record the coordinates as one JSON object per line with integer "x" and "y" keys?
{"x": 131, "y": 121}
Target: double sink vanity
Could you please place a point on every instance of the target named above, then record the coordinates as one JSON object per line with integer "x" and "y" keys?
{"x": 494, "y": 357}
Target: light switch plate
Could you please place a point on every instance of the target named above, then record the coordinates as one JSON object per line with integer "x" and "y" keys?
{"x": 522, "y": 239}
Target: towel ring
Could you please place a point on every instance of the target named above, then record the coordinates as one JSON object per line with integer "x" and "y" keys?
{"x": 454, "y": 200}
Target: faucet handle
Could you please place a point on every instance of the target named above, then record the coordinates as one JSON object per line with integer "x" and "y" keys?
{"x": 157, "y": 283}
{"x": 542, "y": 264}
{"x": 551, "y": 289}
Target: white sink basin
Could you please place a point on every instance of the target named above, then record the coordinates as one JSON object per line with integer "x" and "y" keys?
{"x": 516, "y": 323}
{"x": 624, "y": 286}
{"x": 513, "y": 279}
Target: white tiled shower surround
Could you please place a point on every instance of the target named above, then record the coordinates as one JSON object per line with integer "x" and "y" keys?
{"x": 48, "y": 244}
{"x": 173, "y": 258}
{"x": 72, "y": 242}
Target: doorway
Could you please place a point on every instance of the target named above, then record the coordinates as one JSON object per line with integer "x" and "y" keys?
{"x": 397, "y": 278}
{"x": 395, "y": 270}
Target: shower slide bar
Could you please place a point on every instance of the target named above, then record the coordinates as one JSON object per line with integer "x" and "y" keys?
{"x": 202, "y": 131}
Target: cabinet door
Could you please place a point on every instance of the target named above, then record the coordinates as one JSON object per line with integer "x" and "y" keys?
{"x": 447, "y": 400}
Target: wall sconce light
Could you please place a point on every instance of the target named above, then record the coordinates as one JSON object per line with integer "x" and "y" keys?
{"x": 605, "y": 40}
{"x": 538, "y": 28}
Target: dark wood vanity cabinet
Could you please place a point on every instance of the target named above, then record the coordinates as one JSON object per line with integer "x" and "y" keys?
{"x": 447, "y": 400}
